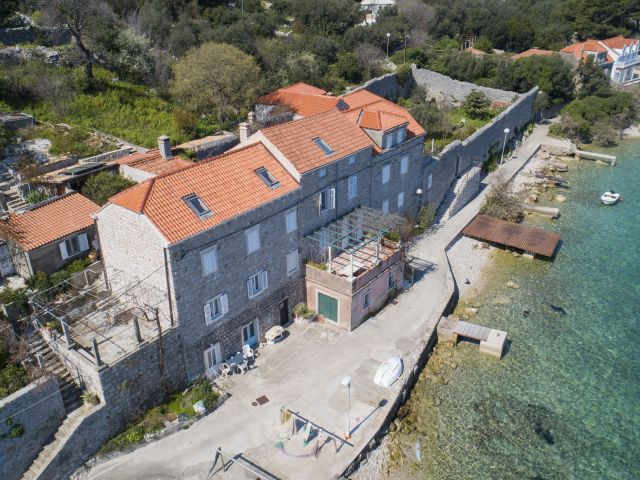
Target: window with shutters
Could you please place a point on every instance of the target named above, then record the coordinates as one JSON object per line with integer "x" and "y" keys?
{"x": 257, "y": 284}
{"x": 366, "y": 300}
{"x": 253, "y": 239}
{"x": 216, "y": 308}
{"x": 404, "y": 164}
{"x": 73, "y": 246}
{"x": 386, "y": 173}
{"x": 385, "y": 206}
{"x": 388, "y": 140}
{"x": 292, "y": 262}
{"x": 327, "y": 199}
{"x": 291, "y": 220}
{"x": 400, "y": 199}
{"x": 352, "y": 187}
{"x": 209, "y": 261}
{"x": 400, "y": 134}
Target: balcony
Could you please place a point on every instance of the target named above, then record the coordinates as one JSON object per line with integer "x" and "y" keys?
{"x": 353, "y": 269}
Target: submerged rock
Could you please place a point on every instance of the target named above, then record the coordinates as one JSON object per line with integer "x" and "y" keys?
{"x": 512, "y": 284}
{"x": 560, "y": 198}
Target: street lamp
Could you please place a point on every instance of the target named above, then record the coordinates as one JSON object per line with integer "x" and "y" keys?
{"x": 405, "y": 48}
{"x": 346, "y": 381}
{"x": 504, "y": 144}
{"x": 388, "y": 36}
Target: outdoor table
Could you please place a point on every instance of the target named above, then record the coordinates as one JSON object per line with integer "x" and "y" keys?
{"x": 273, "y": 334}
{"x": 235, "y": 361}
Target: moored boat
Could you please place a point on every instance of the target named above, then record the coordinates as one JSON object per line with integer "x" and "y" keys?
{"x": 609, "y": 198}
{"x": 388, "y": 372}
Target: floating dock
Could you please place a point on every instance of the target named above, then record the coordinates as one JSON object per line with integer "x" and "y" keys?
{"x": 452, "y": 329}
{"x": 530, "y": 240}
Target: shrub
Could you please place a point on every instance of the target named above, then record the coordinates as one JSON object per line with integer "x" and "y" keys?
{"x": 476, "y": 104}
{"x": 314, "y": 264}
{"x": 35, "y": 196}
{"x": 99, "y": 188}
{"x": 426, "y": 217}
{"x": 12, "y": 378}
{"x": 502, "y": 203}
{"x": 301, "y": 310}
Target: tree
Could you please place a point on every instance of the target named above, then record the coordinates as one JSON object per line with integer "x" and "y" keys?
{"x": 216, "y": 79}
{"x": 99, "y": 188}
{"x": 484, "y": 44}
{"x": 85, "y": 20}
{"x": 348, "y": 68}
{"x": 551, "y": 74}
{"x": 592, "y": 80}
{"x": 476, "y": 104}
{"x": 326, "y": 17}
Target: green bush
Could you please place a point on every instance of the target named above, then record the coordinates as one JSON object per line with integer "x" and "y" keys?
{"x": 426, "y": 217}
{"x": 502, "y": 203}
{"x": 12, "y": 378}
{"x": 35, "y": 196}
{"x": 99, "y": 188}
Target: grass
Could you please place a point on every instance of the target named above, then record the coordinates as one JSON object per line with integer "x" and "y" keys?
{"x": 79, "y": 141}
{"x": 457, "y": 114}
{"x": 180, "y": 403}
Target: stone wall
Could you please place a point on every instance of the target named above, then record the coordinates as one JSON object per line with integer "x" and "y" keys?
{"x": 39, "y": 410}
{"x": 108, "y": 156}
{"x": 445, "y": 89}
{"x": 388, "y": 86}
{"x": 14, "y": 36}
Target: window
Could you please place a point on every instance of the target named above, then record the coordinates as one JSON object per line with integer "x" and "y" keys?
{"x": 385, "y": 206}
{"x": 74, "y": 245}
{"x": 257, "y": 284}
{"x": 292, "y": 262}
{"x": 291, "y": 220}
{"x": 386, "y": 173}
{"x": 253, "y": 239}
{"x": 366, "y": 300}
{"x": 215, "y": 308}
{"x": 400, "y": 135}
{"x": 391, "y": 282}
{"x": 352, "y": 187}
{"x": 352, "y": 159}
{"x": 323, "y": 146}
{"x": 250, "y": 334}
{"x": 212, "y": 356}
{"x": 400, "y": 199}
{"x": 404, "y": 164}
{"x": 267, "y": 178}
{"x": 324, "y": 239}
{"x": 322, "y": 172}
{"x": 429, "y": 181}
{"x": 195, "y": 203}
{"x": 388, "y": 140}
{"x": 327, "y": 199}
{"x": 209, "y": 260}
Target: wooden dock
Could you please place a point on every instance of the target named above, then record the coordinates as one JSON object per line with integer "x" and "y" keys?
{"x": 452, "y": 329}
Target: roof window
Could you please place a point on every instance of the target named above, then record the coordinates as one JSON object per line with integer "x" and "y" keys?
{"x": 268, "y": 178}
{"x": 195, "y": 203}
{"x": 322, "y": 144}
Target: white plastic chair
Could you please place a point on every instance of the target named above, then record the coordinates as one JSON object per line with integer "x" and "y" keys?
{"x": 247, "y": 352}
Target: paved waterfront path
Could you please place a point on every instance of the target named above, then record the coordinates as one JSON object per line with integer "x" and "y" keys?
{"x": 304, "y": 373}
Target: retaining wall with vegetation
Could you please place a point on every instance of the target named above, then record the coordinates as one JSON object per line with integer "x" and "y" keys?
{"x": 28, "y": 419}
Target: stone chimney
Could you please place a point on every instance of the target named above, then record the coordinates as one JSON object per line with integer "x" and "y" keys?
{"x": 251, "y": 118}
{"x": 245, "y": 131}
{"x": 164, "y": 145}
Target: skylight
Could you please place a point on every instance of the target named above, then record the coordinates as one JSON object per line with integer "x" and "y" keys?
{"x": 267, "y": 178}
{"x": 321, "y": 143}
{"x": 195, "y": 203}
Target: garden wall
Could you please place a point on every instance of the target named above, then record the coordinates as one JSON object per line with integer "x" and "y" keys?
{"x": 388, "y": 86}
{"x": 39, "y": 410}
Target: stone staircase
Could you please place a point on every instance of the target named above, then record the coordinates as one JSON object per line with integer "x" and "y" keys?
{"x": 463, "y": 189}
{"x": 13, "y": 199}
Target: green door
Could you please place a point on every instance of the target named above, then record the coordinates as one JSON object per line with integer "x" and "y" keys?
{"x": 328, "y": 307}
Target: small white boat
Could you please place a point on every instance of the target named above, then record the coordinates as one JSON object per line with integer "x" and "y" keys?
{"x": 609, "y": 198}
{"x": 388, "y": 372}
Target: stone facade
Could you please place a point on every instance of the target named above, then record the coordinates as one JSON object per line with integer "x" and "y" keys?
{"x": 39, "y": 410}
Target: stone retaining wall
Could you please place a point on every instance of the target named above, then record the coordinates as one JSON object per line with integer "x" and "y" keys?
{"x": 39, "y": 410}
{"x": 387, "y": 86}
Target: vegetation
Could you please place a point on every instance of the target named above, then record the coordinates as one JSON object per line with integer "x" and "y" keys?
{"x": 179, "y": 404}
{"x": 36, "y": 196}
{"x": 13, "y": 376}
{"x": 301, "y": 310}
{"x": 65, "y": 140}
{"x": 43, "y": 282}
{"x": 426, "y": 217}
{"x": 476, "y": 104}
{"x": 502, "y": 203}
{"x": 317, "y": 265}
{"x": 99, "y": 188}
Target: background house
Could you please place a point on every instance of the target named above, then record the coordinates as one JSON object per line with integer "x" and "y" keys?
{"x": 47, "y": 236}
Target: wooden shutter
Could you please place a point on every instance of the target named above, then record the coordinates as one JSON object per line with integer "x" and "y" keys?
{"x": 63, "y": 250}
{"x": 320, "y": 202}
{"x": 207, "y": 313}
{"x": 332, "y": 198}
{"x": 264, "y": 279}
{"x": 250, "y": 287}
{"x": 224, "y": 304}
{"x": 84, "y": 242}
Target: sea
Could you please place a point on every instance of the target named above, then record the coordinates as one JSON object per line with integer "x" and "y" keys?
{"x": 564, "y": 401}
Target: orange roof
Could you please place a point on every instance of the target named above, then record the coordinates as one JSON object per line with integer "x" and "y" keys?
{"x": 475, "y": 51}
{"x": 227, "y": 184}
{"x": 303, "y": 99}
{"x": 380, "y": 120}
{"x": 304, "y": 88}
{"x": 533, "y": 52}
{"x": 153, "y": 162}
{"x": 619, "y": 42}
{"x": 296, "y": 139}
{"x": 50, "y": 221}
{"x": 582, "y": 49}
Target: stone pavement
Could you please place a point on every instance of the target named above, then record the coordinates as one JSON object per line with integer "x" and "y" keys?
{"x": 304, "y": 373}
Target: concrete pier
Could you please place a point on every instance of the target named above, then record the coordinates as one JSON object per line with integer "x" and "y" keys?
{"x": 599, "y": 157}
{"x": 550, "y": 212}
{"x": 452, "y": 329}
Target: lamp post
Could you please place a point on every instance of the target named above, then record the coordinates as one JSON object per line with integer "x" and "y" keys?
{"x": 388, "y": 36}
{"x": 404, "y": 57}
{"x": 346, "y": 381}
{"x": 504, "y": 144}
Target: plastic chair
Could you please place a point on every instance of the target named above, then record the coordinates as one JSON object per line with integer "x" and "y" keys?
{"x": 247, "y": 352}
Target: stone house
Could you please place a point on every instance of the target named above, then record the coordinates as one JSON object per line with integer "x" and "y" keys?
{"x": 225, "y": 238}
{"x": 49, "y": 235}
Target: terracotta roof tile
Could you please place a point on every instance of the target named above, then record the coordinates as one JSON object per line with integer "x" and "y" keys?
{"x": 582, "y": 49}
{"x": 296, "y": 139}
{"x": 380, "y": 120}
{"x": 49, "y": 222}
{"x": 305, "y": 88}
{"x": 619, "y": 42}
{"x": 533, "y": 52}
{"x": 153, "y": 162}
{"x": 227, "y": 184}
{"x": 303, "y": 104}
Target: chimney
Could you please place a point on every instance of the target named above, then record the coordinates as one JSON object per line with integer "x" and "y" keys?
{"x": 251, "y": 118}
{"x": 164, "y": 145}
{"x": 245, "y": 131}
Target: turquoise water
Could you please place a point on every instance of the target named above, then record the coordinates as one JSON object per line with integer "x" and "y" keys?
{"x": 564, "y": 402}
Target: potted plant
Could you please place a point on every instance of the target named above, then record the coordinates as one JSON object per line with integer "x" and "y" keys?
{"x": 302, "y": 313}
{"x": 90, "y": 398}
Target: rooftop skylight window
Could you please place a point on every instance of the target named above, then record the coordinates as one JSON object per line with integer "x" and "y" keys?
{"x": 195, "y": 203}
{"x": 323, "y": 146}
{"x": 268, "y": 178}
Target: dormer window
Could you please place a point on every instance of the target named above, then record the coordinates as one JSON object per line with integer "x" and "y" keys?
{"x": 268, "y": 178}
{"x": 195, "y": 203}
{"x": 323, "y": 146}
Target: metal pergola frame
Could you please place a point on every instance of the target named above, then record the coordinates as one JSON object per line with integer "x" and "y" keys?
{"x": 355, "y": 231}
